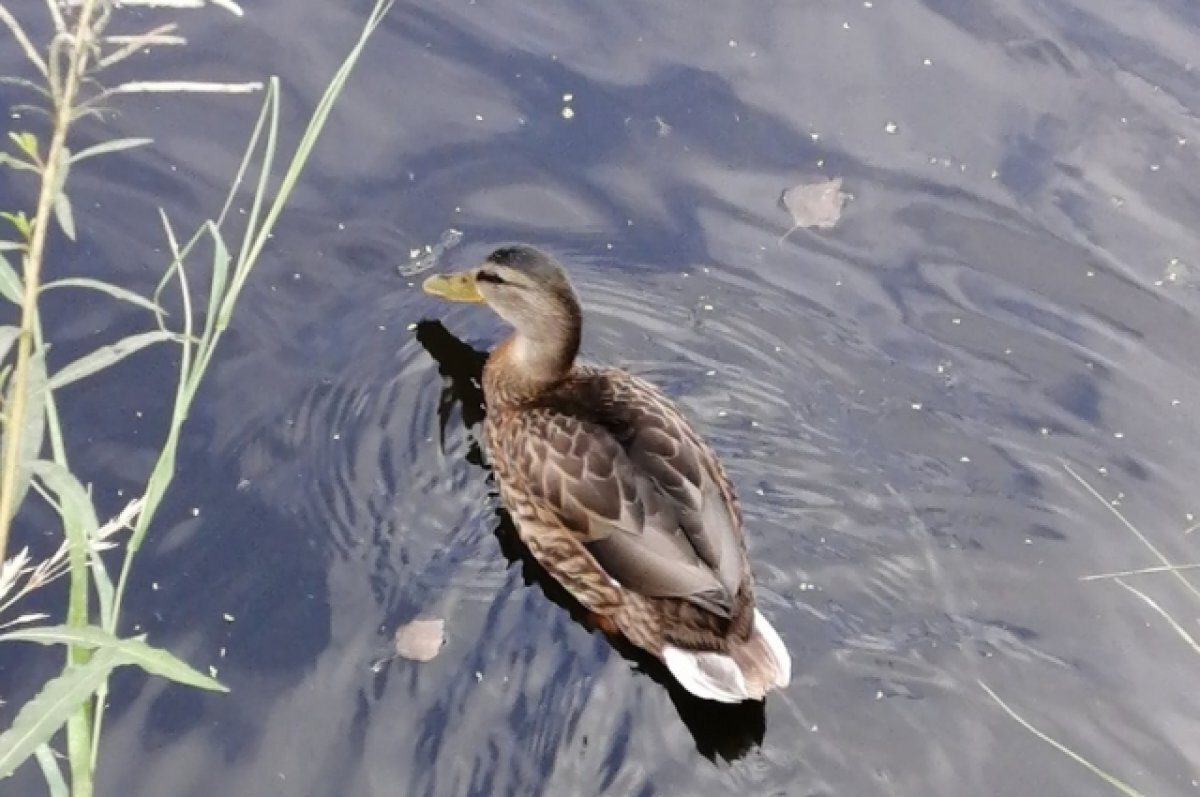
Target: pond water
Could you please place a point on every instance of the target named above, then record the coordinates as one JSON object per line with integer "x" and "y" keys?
{"x": 1010, "y": 292}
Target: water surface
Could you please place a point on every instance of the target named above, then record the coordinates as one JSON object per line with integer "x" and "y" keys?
{"x": 1010, "y": 288}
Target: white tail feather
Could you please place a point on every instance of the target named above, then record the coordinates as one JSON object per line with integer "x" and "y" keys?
{"x": 783, "y": 661}
{"x": 713, "y": 676}
{"x": 718, "y": 676}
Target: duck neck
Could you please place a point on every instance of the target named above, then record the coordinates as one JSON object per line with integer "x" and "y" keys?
{"x": 537, "y": 356}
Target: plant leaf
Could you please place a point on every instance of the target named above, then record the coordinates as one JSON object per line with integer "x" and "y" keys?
{"x": 40, "y": 718}
{"x": 217, "y": 318}
{"x": 26, "y": 142}
{"x": 115, "y": 291}
{"x": 133, "y": 650}
{"x": 55, "y": 783}
{"x": 74, "y": 504}
{"x": 33, "y": 425}
{"x": 16, "y": 163}
{"x": 62, "y": 212}
{"x": 8, "y": 336}
{"x": 10, "y": 282}
{"x": 105, "y": 356}
{"x": 105, "y": 147}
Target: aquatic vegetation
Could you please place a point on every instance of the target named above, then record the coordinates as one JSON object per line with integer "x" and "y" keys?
{"x": 65, "y": 86}
{"x": 1166, "y": 566}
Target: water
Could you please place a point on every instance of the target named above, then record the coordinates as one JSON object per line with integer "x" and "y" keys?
{"x": 1011, "y": 287}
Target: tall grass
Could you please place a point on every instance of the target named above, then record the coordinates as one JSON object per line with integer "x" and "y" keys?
{"x": 1165, "y": 567}
{"x": 65, "y": 84}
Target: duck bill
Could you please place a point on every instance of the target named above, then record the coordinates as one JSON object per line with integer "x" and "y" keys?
{"x": 457, "y": 287}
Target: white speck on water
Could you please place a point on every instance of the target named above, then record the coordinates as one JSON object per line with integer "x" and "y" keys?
{"x": 478, "y": 677}
{"x": 956, "y": 321}
{"x": 845, "y": 26}
{"x": 722, "y": 413}
{"x": 928, "y": 62}
{"x": 568, "y": 97}
{"x": 410, "y": 327}
{"x": 916, "y": 405}
{"x": 337, "y": 436}
{"x": 478, "y": 117}
{"x": 1118, "y": 435}
{"x": 733, "y": 42}
{"x": 1175, "y": 402}
{"x": 710, "y": 372}
{"x": 1091, "y": 273}
{"x": 964, "y": 459}
{"x": 341, "y": 225}
{"x": 154, "y": 586}
{"x": 195, "y": 511}
{"x": 1154, "y": 167}
{"x": 212, "y": 671}
{"x": 879, "y": 694}
{"x": 568, "y": 113}
{"x": 1045, "y": 431}
{"x": 1103, "y": 471}
{"x": 890, "y": 128}
{"x": 815, "y": 136}
{"x": 227, "y": 617}
{"x": 221, "y": 653}
{"x": 708, "y": 307}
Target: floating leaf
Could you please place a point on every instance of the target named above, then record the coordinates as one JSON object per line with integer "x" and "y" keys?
{"x": 420, "y": 640}
{"x": 116, "y": 145}
{"x": 40, "y": 718}
{"x": 133, "y": 650}
{"x": 105, "y": 356}
{"x": 10, "y": 282}
{"x": 115, "y": 291}
{"x": 814, "y": 204}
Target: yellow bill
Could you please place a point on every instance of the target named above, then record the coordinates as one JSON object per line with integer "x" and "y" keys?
{"x": 456, "y": 287}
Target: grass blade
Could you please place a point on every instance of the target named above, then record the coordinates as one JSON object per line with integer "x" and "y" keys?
{"x": 115, "y": 291}
{"x": 1163, "y": 613}
{"x": 116, "y": 145}
{"x": 105, "y": 356}
{"x": 42, "y": 717}
{"x": 133, "y": 650}
{"x": 1116, "y": 783}
{"x": 55, "y": 783}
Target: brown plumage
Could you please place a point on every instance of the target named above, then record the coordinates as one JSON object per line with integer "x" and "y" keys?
{"x": 613, "y": 491}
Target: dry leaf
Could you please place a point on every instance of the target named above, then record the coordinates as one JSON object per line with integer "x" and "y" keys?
{"x": 814, "y": 204}
{"x": 420, "y": 640}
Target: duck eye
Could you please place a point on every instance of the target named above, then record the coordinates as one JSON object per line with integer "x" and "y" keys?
{"x": 489, "y": 276}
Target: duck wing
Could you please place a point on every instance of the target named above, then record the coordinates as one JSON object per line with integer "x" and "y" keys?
{"x": 621, "y": 469}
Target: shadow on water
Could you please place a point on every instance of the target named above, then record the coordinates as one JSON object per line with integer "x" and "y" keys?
{"x": 727, "y": 731}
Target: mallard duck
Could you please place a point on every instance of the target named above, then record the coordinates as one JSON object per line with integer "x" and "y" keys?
{"x": 613, "y": 492}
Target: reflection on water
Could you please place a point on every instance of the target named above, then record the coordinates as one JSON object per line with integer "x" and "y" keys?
{"x": 1010, "y": 285}
{"x": 726, "y": 730}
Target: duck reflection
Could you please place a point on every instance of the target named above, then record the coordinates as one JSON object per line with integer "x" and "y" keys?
{"x": 725, "y": 730}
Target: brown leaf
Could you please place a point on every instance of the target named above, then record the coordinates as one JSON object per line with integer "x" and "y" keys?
{"x": 816, "y": 204}
{"x": 420, "y": 640}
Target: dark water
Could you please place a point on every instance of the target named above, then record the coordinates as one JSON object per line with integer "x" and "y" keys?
{"x": 1011, "y": 287}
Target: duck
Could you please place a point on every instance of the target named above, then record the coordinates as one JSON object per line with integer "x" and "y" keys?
{"x": 613, "y": 491}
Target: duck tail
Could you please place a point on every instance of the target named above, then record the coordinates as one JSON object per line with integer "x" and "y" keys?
{"x": 747, "y": 671}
